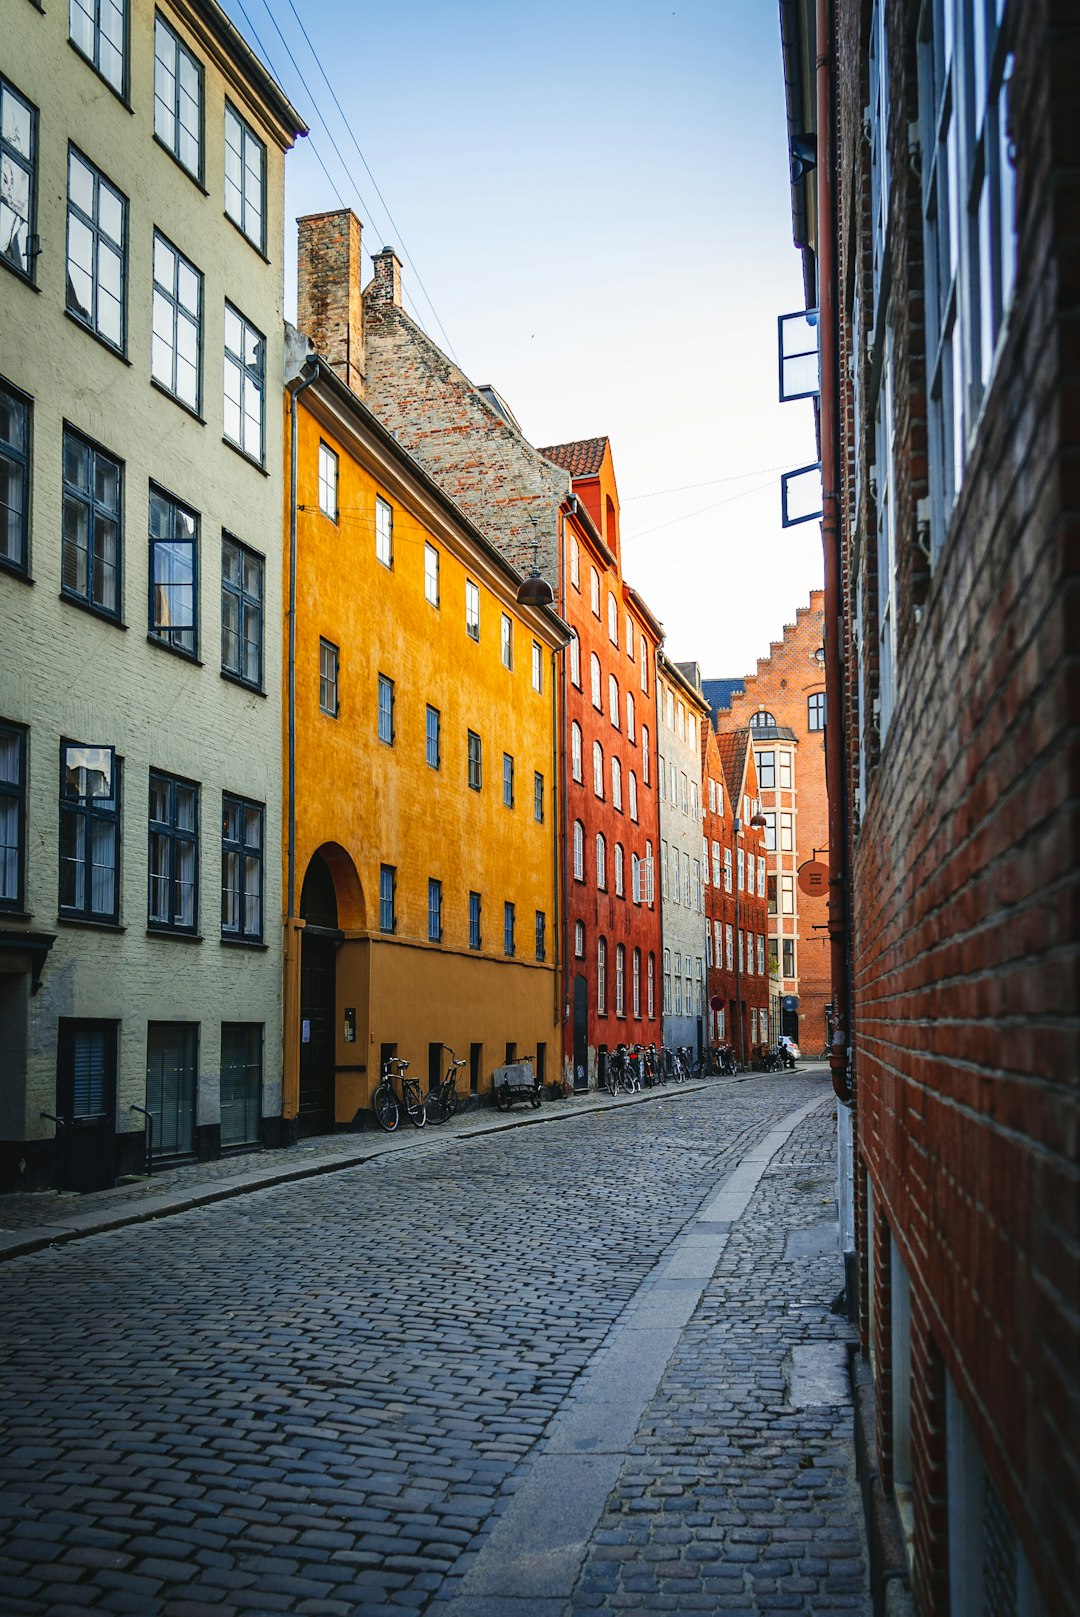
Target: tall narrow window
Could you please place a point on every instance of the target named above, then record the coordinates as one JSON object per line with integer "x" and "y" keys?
{"x": 507, "y": 641}
{"x": 328, "y": 678}
{"x": 612, "y": 619}
{"x": 432, "y": 733}
{"x": 598, "y": 768}
{"x": 620, "y": 979}
{"x": 14, "y": 478}
{"x": 579, "y": 851}
{"x": 601, "y": 861}
{"x": 616, "y": 783}
{"x": 328, "y": 482}
{"x": 434, "y": 910}
{"x": 630, "y": 736}
{"x": 241, "y": 869}
{"x": 601, "y": 976}
{"x": 90, "y": 546}
{"x": 431, "y": 574}
{"x": 575, "y": 750}
{"x": 241, "y": 612}
{"x": 613, "y": 700}
{"x": 815, "y": 711}
{"x": 174, "y": 544}
{"x": 387, "y": 890}
{"x": 96, "y": 251}
{"x": 630, "y": 637}
{"x": 384, "y": 531}
{"x": 637, "y": 970}
{"x": 579, "y": 939}
{"x": 12, "y": 816}
{"x": 508, "y": 928}
{"x": 651, "y": 980}
{"x": 173, "y": 860}
{"x": 575, "y": 661}
{"x": 541, "y": 935}
{"x": 594, "y": 591}
{"x": 618, "y": 863}
{"x": 97, "y": 28}
{"x": 537, "y": 666}
{"x": 538, "y": 797}
{"x": 176, "y": 346}
{"x": 177, "y": 98}
{"x": 472, "y": 609}
{"x": 508, "y": 780}
{"x": 633, "y": 796}
{"x": 474, "y": 921}
{"x": 18, "y": 162}
{"x": 245, "y": 384}
{"x": 595, "y": 682}
{"x": 245, "y": 178}
{"x": 89, "y": 832}
{"x": 575, "y": 562}
{"x": 386, "y": 710}
{"x": 475, "y": 758}
{"x": 645, "y": 765}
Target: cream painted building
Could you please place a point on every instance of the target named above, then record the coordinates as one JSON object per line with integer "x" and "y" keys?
{"x": 141, "y": 362}
{"x": 681, "y": 710}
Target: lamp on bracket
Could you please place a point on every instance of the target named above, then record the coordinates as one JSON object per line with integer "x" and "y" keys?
{"x": 535, "y": 590}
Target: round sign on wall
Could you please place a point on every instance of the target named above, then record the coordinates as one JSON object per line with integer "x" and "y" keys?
{"x": 814, "y": 878}
{"x": 716, "y": 1002}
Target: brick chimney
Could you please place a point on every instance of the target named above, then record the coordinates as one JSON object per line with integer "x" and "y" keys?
{"x": 329, "y": 306}
{"x": 386, "y": 287}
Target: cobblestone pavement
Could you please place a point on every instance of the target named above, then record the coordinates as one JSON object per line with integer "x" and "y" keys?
{"x": 317, "y": 1398}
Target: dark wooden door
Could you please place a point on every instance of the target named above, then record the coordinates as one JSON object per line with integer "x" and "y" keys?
{"x": 317, "y": 961}
{"x": 86, "y": 1101}
{"x": 581, "y": 1033}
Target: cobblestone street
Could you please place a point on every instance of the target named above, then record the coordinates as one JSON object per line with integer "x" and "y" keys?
{"x": 558, "y": 1369}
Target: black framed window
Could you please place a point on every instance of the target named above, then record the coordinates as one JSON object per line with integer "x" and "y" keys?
{"x": 173, "y": 861}
{"x": 178, "y": 98}
{"x": 387, "y": 895}
{"x": 18, "y": 165}
{"x": 541, "y": 935}
{"x": 172, "y": 1050}
{"x": 174, "y": 556}
{"x": 434, "y": 910}
{"x": 176, "y": 346}
{"x": 508, "y": 780}
{"x": 245, "y": 177}
{"x": 508, "y": 928}
{"x": 328, "y": 678}
{"x": 96, "y": 251}
{"x": 475, "y": 761}
{"x": 241, "y": 1083}
{"x": 241, "y": 869}
{"x": 433, "y": 728}
{"x": 14, "y": 478}
{"x": 386, "y": 710}
{"x": 245, "y": 384}
{"x": 241, "y": 611}
{"x": 92, "y": 505}
{"x": 89, "y": 832}
{"x": 538, "y": 797}
{"x": 12, "y": 816}
{"x": 815, "y": 712}
{"x": 474, "y": 920}
{"x": 98, "y": 29}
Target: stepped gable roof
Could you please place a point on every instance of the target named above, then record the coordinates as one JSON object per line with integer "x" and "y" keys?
{"x": 582, "y": 458}
{"x": 732, "y": 746}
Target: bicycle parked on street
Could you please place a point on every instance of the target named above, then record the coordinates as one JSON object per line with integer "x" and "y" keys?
{"x": 443, "y": 1101}
{"x": 388, "y": 1101}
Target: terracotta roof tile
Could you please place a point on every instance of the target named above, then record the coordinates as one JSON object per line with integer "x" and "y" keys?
{"x": 732, "y": 746}
{"x": 581, "y": 459}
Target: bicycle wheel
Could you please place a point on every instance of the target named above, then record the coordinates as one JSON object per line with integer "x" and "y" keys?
{"x": 415, "y": 1109}
{"x": 448, "y": 1098}
{"x": 611, "y": 1080}
{"x": 384, "y": 1105}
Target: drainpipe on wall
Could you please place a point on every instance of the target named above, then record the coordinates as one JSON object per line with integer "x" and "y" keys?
{"x": 829, "y": 427}
{"x": 290, "y": 1089}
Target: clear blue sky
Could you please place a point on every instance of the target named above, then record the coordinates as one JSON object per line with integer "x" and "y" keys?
{"x": 595, "y": 198}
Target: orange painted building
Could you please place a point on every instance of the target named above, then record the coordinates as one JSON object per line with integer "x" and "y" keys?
{"x": 420, "y": 845}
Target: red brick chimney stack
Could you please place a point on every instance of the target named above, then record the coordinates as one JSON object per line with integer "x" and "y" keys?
{"x": 386, "y": 287}
{"x": 330, "y": 308}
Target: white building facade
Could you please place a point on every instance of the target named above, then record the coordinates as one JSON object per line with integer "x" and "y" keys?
{"x": 681, "y": 710}
{"x": 140, "y": 589}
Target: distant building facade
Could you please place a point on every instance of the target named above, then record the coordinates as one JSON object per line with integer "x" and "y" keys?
{"x": 738, "y": 985}
{"x": 681, "y": 713}
{"x": 140, "y": 590}
{"x": 783, "y": 705}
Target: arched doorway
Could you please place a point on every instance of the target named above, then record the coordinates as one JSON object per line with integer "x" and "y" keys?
{"x": 318, "y": 955}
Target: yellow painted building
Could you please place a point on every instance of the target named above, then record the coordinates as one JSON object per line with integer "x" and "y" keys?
{"x": 420, "y": 853}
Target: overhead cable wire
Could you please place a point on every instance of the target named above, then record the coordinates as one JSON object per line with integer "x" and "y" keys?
{"x": 266, "y": 58}
{"x": 736, "y": 477}
{"x": 746, "y": 492}
{"x": 393, "y": 222}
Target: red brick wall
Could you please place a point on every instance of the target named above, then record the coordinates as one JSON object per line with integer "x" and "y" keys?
{"x": 784, "y": 681}
{"x": 965, "y": 959}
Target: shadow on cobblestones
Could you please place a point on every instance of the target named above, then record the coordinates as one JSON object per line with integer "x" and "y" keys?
{"x": 314, "y": 1398}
